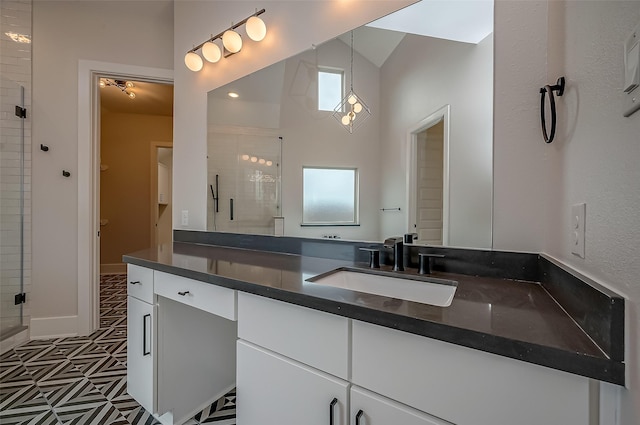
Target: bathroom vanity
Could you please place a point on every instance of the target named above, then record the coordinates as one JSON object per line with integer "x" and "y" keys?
{"x": 204, "y": 318}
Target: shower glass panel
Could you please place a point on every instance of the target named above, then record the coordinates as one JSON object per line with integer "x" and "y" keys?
{"x": 12, "y": 182}
{"x": 246, "y": 198}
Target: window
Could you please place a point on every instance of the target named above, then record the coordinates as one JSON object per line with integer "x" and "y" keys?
{"x": 329, "y": 196}
{"x": 329, "y": 88}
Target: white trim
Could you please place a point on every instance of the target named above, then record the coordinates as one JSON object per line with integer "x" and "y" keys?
{"x": 88, "y": 180}
{"x": 442, "y": 114}
{"x": 54, "y": 327}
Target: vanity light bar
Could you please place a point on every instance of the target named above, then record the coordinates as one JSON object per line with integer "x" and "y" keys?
{"x": 231, "y": 42}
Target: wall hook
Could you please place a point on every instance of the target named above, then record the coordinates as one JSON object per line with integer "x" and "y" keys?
{"x": 44, "y": 147}
{"x": 65, "y": 173}
{"x": 559, "y": 89}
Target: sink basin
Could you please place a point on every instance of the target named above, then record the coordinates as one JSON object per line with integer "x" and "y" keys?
{"x": 438, "y": 292}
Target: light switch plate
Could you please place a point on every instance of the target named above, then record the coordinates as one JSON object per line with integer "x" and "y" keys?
{"x": 185, "y": 217}
{"x": 578, "y": 221}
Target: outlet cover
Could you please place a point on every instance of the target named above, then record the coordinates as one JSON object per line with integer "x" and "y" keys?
{"x": 185, "y": 217}
{"x": 578, "y": 220}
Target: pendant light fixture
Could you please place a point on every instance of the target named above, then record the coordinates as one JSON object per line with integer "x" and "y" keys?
{"x": 352, "y": 111}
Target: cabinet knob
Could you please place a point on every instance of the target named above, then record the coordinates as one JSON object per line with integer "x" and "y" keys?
{"x": 358, "y": 416}
{"x": 135, "y": 282}
{"x": 183, "y": 293}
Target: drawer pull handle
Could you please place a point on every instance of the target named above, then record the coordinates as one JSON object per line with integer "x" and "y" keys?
{"x": 135, "y": 282}
{"x": 358, "y": 416}
{"x": 183, "y": 293}
{"x": 331, "y": 405}
{"x": 145, "y": 352}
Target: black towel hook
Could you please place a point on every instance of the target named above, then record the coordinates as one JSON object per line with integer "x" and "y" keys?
{"x": 559, "y": 88}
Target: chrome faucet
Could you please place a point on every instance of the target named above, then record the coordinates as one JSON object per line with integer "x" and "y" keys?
{"x": 398, "y": 252}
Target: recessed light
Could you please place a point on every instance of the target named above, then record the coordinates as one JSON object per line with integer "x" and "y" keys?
{"x": 233, "y": 94}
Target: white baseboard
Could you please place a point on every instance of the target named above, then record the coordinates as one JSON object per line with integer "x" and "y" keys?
{"x": 14, "y": 340}
{"x": 54, "y": 327}
{"x": 116, "y": 268}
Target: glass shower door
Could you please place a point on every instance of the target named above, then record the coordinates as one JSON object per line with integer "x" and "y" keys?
{"x": 12, "y": 183}
{"x": 244, "y": 182}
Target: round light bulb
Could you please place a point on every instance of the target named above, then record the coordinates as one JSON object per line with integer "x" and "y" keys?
{"x": 254, "y": 159}
{"x": 269, "y": 163}
{"x": 211, "y": 52}
{"x": 345, "y": 120}
{"x": 256, "y": 29}
{"x": 132, "y": 95}
{"x": 261, "y": 161}
{"x": 352, "y": 99}
{"x": 193, "y": 61}
{"x": 245, "y": 157}
{"x": 357, "y": 108}
{"x": 128, "y": 84}
{"x": 232, "y": 41}
{"x": 102, "y": 84}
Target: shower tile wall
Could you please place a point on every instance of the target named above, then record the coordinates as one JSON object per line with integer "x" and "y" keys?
{"x": 15, "y": 71}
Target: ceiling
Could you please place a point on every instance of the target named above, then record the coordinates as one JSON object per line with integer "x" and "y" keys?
{"x": 151, "y": 99}
{"x": 467, "y": 21}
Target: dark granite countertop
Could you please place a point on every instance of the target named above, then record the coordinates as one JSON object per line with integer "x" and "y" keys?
{"x": 516, "y": 319}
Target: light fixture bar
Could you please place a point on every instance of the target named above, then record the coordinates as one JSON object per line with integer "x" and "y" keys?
{"x": 233, "y": 27}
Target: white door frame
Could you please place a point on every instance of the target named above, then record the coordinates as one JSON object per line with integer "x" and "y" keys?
{"x": 89, "y": 179}
{"x": 442, "y": 114}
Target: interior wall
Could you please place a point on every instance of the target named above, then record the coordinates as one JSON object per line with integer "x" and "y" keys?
{"x": 292, "y": 28}
{"x": 315, "y": 138}
{"x": 419, "y": 78}
{"x": 165, "y": 226}
{"x": 125, "y": 198}
{"x": 595, "y": 157}
{"x": 63, "y": 33}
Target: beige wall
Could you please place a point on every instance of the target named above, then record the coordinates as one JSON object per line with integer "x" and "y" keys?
{"x": 125, "y": 197}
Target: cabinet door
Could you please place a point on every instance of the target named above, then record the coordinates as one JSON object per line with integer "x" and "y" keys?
{"x": 368, "y": 408}
{"x": 141, "y": 353}
{"x": 276, "y": 391}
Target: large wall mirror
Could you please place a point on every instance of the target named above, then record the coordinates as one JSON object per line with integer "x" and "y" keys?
{"x": 280, "y": 162}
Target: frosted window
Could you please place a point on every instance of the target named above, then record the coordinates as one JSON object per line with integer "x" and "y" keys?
{"x": 329, "y": 89}
{"x": 330, "y": 196}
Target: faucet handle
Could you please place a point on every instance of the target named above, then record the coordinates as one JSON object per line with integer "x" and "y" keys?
{"x": 374, "y": 257}
{"x": 424, "y": 262}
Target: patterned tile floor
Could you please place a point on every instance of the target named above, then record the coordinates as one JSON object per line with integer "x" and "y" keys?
{"x": 83, "y": 380}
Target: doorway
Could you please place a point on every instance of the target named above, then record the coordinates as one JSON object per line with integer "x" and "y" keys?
{"x": 133, "y": 116}
{"x": 428, "y": 185}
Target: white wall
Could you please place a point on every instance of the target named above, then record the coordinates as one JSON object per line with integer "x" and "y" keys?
{"x": 420, "y": 77}
{"x": 314, "y": 138}
{"x": 63, "y": 33}
{"x": 595, "y": 158}
{"x": 292, "y": 28}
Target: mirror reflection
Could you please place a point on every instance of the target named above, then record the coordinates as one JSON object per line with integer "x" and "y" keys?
{"x": 420, "y": 163}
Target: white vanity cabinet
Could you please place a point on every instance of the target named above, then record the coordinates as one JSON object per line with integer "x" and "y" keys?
{"x": 141, "y": 337}
{"x": 293, "y": 364}
{"x": 181, "y": 343}
{"x": 274, "y": 390}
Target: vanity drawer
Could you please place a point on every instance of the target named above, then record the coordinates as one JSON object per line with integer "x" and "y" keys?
{"x": 312, "y": 337}
{"x": 201, "y": 295}
{"x": 438, "y": 378}
{"x": 140, "y": 283}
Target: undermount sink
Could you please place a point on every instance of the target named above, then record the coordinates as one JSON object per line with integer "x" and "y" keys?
{"x": 438, "y": 292}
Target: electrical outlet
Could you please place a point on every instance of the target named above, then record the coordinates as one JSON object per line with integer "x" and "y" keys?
{"x": 578, "y": 215}
{"x": 185, "y": 217}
